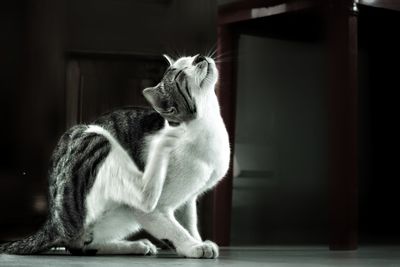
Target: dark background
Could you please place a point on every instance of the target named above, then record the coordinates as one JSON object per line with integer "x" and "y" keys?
{"x": 379, "y": 134}
{"x": 64, "y": 62}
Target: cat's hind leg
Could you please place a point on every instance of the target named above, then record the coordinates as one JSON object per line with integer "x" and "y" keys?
{"x": 139, "y": 247}
{"x": 108, "y": 234}
{"x": 120, "y": 180}
{"x": 117, "y": 247}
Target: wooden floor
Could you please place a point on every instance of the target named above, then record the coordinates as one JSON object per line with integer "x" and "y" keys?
{"x": 232, "y": 256}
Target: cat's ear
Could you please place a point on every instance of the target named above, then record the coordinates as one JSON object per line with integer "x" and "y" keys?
{"x": 152, "y": 95}
{"x": 169, "y": 59}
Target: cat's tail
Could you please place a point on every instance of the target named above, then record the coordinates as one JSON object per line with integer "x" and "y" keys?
{"x": 41, "y": 241}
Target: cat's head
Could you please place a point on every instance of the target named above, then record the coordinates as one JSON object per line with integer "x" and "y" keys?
{"x": 184, "y": 88}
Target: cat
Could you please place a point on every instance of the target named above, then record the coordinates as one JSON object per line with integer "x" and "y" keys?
{"x": 131, "y": 169}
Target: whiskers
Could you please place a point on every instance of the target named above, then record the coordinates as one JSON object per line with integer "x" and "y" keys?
{"x": 212, "y": 52}
{"x": 218, "y": 56}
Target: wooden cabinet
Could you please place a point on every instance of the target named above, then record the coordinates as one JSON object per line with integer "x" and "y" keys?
{"x": 338, "y": 26}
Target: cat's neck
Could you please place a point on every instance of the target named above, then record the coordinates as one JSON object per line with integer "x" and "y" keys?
{"x": 209, "y": 116}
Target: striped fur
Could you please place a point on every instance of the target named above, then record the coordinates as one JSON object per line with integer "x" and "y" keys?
{"x": 130, "y": 125}
{"x": 42, "y": 240}
{"x": 73, "y": 169}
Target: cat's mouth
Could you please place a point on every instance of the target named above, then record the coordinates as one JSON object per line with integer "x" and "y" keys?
{"x": 208, "y": 69}
{"x": 207, "y": 72}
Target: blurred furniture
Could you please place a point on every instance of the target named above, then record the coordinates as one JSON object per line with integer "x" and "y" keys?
{"x": 339, "y": 21}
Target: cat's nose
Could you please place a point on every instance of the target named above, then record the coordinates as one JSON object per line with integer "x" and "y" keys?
{"x": 198, "y": 59}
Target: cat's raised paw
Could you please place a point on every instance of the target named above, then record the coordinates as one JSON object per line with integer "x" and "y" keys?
{"x": 171, "y": 137}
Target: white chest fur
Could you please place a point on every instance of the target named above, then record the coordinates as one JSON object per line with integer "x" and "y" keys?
{"x": 198, "y": 162}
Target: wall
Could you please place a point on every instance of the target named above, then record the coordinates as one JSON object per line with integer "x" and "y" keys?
{"x": 142, "y": 26}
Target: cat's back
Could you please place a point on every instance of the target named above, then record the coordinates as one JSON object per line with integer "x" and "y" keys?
{"x": 129, "y": 126}
{"x": 140, "y": 119}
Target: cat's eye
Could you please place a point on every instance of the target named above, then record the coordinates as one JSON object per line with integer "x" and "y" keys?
{"x": 171, "y": 110}
{"x": 179, "y": 73}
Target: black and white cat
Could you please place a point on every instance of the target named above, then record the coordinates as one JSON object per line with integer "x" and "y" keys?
{"x": 133, "y": 168}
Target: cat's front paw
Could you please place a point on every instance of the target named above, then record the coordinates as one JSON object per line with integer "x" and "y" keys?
{"x": 149, "y": 248}
{"x": 171, "y": 137}
{"x": 206, "y": 249}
